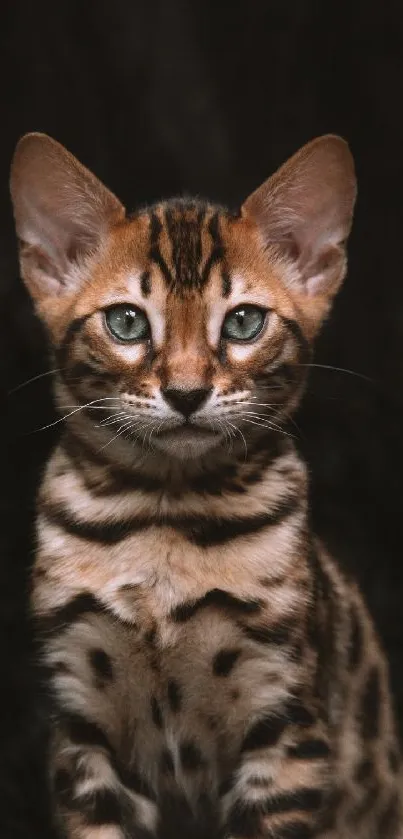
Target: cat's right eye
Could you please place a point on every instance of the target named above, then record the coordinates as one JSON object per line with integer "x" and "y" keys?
{"x": 243, "y": 323}
{"x": 127, "y": 323}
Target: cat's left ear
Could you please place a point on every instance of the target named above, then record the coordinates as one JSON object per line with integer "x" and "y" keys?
{"x": 305, "y": 211}
{"x": 62, "y": 214}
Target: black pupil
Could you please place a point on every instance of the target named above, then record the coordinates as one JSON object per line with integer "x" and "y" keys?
{"x": 129, "y": 319}
{"x": 240, "y": 316}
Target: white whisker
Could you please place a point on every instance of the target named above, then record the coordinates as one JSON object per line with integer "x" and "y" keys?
{"x": 228, "y": 435}
{"x": 338, "y": 370}
{"x": 115, "y": 418}
{"x": 34, "y": 379}
{"x": 263, "y": 417}
{"x": 258, "y": 404}
{"x": 236, "y": 429}
{"x": 270, "y": 427}
{"x": 146, "y": 426}
{"x": 93, "y": 408}
{"x": 121, "y": 430}
{"x": 74, "y": 411}
{"x": 158, "y": 429}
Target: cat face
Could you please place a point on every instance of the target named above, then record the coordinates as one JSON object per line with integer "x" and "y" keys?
{"x": 185, "y": 330}
{"x": 184, "y": 327}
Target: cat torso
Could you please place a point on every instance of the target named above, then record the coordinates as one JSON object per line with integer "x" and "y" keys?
{"x": 189, "y": 646}
{"x": 213, "y": 674}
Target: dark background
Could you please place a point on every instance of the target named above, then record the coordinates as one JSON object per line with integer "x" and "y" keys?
{"x": 210, "y": 97}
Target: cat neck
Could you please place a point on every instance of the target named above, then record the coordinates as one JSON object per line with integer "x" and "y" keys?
{"x": 124, "y": 463}
{"x": 230, "y": 485}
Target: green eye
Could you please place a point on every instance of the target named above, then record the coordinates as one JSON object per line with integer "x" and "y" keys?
{"x": 127, "y": 323}
{"x": 243, "y": 323}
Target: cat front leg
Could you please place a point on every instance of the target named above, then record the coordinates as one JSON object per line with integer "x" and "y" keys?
{"x": 90, "y": 800}
{"x": 99, "y": 789}
{"x": 279, "y": 788}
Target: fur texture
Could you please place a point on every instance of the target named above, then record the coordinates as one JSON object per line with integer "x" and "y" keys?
{"x": 213, "y": 673}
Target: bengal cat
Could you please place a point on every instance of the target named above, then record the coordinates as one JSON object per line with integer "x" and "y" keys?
{"x": 213, "y": 673}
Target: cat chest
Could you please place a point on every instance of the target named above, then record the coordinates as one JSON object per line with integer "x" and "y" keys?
{"x": 175, "y": 702}
{"x": 150, "y": 573}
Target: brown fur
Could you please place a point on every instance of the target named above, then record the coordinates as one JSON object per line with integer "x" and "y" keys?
{"x": 213, "y": 672}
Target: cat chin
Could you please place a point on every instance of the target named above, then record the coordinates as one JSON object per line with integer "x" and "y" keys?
{"x": 185, "y": 445}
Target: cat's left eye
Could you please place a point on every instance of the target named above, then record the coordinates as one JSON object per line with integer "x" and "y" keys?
{"x": 127, "y": 323}
{"x": 244, "y": 323}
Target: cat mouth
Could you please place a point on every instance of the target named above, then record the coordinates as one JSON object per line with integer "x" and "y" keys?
{"x": 188, "y": 430}
{"x": 187, "y": 440}
{"x": 187, "y": 434}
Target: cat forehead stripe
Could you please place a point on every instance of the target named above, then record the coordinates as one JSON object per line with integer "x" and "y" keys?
{"x": 195, "y": 244}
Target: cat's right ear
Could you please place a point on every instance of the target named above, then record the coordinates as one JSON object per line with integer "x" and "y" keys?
{"x": 305, "y": 210}
{"x": 62, "y": 212}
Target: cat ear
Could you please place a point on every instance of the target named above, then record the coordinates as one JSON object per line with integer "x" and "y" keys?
{"x": 305, "y": 210}
{"x": 61, "y": 212}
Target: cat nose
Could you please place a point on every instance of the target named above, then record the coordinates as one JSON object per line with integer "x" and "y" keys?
{"x": 185, "y": 401}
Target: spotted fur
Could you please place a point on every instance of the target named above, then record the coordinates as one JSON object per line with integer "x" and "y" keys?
{"x": 213, "y": 673}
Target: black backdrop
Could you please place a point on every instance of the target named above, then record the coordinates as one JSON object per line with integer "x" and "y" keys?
{"x": 166, "y": 96}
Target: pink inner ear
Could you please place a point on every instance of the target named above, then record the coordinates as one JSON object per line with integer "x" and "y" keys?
{"x": 62, "y": 212}
{"x": 79, "y": 244}
{"x": 306, "y": 209}
{"x": 42, "y": 259}
{"x": 290, "y": 245}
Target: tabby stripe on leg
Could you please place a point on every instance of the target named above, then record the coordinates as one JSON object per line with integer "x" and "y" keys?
{"x": 249, "y": 819}
{"x": 310, "y": 750}
{"x": 304, "y": 800}
{"x": 88, "y": 735}
{"x": 134, "y": 782}
{"x": 63, "y": 786}
{"x": 264, "y": 733}
{"x": 267, "y": 731}
{"x": 83, "y": 732}
{"x": 100, "y": 807}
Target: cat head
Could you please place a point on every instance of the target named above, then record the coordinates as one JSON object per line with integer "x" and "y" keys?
{"x": 182, "y": 325}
